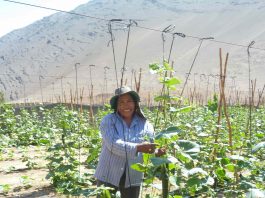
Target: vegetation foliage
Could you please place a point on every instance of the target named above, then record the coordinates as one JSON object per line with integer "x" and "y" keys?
{"x": 195, "y": 165}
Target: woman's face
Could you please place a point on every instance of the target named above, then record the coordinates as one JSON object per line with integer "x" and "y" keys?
{"x": 126, "y": 106}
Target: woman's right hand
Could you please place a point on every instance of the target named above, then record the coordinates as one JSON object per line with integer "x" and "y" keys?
{"x": 146, "y": 147}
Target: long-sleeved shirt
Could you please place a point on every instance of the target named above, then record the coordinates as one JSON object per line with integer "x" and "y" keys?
{"x": 119, "y": 146}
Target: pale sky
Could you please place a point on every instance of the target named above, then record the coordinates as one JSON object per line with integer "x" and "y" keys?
{"x": 14, "y": 16}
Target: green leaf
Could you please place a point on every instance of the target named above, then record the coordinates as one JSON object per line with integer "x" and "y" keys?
{"x": 194, "y": 181}
{"x": 172, "y": 109}
{"x": 105, "y": 194}
{"x": 168, "y": 133}
{"x": 162, "y": 98}
{"x": 154, "y": 66}
{"x": 258, "y": 147}
{"x": 237, "y": 157}
{"x": 181, "y": 110}
{"x": 146, "y": 158}
{"x": 225, "y": 161}
{"x": 231, "y": 167}
{"x": 167, "y": 66}
{"x": 220, "y": 172}
{"x": 197, "y": 171}
{"x": 186, "y": 158}
{"x": 171, "y": 81}
{"x": 139, "y": 167}
{"x": 173, "y": 181}
{"x": 157, "y": 161}
{"x": 185, "y": 109}
{"x": 189, "y": 146}
{"x": 5, "y": 188}
{"x": 172, "y": 159}
{"x": 244, "y": 185}
{"x": 44, "y": 141}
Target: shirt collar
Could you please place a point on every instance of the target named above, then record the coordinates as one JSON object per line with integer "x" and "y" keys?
{"x": 135, "y": 119}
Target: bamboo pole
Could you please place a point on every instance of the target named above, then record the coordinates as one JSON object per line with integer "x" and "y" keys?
{"x": 222, "y": 103}
{"x": 91, "y": 105}
{"x": 225, "y": 106}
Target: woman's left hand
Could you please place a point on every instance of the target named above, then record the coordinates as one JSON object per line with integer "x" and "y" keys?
{"x": 160, "y": 151}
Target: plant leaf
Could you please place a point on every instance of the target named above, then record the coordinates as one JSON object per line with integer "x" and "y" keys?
{"x": 189, "y": 146}
{"x": 168, "y": 133}
{"x": 199, "y": 171}
{"x": 139, "y": 167}
{"x": 258, "y": 147}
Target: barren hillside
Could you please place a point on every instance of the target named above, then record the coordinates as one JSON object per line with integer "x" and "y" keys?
{"x": 38, "y": 62}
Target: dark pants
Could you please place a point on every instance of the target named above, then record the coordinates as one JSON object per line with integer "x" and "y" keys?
{"x": 130, "y": 192}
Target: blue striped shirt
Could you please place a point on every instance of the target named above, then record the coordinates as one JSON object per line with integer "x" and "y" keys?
{"x": 118, "y": 146}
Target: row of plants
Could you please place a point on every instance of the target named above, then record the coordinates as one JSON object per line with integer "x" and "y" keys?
{"x": 199, "y": 161}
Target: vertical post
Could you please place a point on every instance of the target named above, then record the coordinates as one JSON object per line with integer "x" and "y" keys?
{"x": 90, "y": 66}
{"x": 91, "y": 94}
{"x": 132, "y": 78}
{"x": 76, "y": 84}
{"x": 41, "y": 88}
{"x": 105, "y": 88}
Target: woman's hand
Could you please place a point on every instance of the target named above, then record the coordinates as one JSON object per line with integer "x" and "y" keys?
{"x": 146, "y": 147}
{"x": 159, "y": 152}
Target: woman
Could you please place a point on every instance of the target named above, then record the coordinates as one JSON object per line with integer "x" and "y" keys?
{"x": 126, "y": 134}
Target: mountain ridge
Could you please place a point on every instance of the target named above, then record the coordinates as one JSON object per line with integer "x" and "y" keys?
{"x": 44, "y": 54}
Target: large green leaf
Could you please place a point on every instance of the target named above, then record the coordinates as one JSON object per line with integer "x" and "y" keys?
{"x": 246, "y": 185}
{"x": 189, "y": 146}
{"x": 139, "y": 167}
{"x": 168, "y": 133}
{"x": 184, "y": 157}
{"x": 157, "y": 161}
{"x": 194, "y": 181}
{"x": 258, "y": 147}
{"x": 171, "y": 81}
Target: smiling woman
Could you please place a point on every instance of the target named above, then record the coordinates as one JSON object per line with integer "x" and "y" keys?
{"x": 11, "y": 12}
{"x": 126, "y": 135}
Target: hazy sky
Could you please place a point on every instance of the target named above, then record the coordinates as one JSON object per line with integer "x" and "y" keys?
{"x": 14, "y": 16}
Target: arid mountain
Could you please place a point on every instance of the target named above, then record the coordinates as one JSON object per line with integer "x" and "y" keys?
{"x": 40, "y": 61}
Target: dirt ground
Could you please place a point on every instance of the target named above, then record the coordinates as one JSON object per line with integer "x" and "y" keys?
{"x": 22, "y": 181}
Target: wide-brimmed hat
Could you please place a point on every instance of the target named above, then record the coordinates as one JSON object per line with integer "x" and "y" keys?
{"x": 126, "y": 90}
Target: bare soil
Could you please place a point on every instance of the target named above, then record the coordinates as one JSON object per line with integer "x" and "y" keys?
{"x": 21, "y": 180}
{"x": 25, "y": 182}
